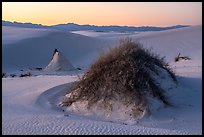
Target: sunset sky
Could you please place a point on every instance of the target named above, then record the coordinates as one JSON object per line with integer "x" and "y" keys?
{"x": 105, "y": 13}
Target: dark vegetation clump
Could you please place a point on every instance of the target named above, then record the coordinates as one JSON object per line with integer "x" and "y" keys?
{"x": 12, "y": 75}
{"x": 3, "y": 75}
{"x": 26, "y": 75}
{"x": 38, "y": 69}
{"x": 179, "y": 57}
{"x": 123, "y": 74}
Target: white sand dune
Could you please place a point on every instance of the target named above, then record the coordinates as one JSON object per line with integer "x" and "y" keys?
{"x": 15, "y": 34}
{"x": 29, "y": 104}
{"x": 36, "y": 50}
{"x": 170, "y": 43}
{"x": 36, "y": 113}
{"x": 187, "y": 40}
{"x": 59, "y": 63}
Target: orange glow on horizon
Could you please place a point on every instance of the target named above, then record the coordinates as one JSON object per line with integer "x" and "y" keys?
{"x": 104, "y": 13}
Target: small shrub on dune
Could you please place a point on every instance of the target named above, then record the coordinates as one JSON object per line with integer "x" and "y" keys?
{"x": 3, "y": 75}
{"x": 38, "y": 69}
{"x": 26, "y": 75}
{"x": 12, "y": 75}
{"x": 179, "y": 57}
{"x": 123, "y": 74}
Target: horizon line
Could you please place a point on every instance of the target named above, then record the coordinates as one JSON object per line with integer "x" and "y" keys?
{"x": 98, "y": 25}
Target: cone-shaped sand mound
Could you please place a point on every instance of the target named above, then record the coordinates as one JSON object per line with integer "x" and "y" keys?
{"x": 58, "y": 63}
{"x": 120, "y": 84}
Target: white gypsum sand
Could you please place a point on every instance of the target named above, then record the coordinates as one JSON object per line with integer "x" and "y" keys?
{"x": 29, "y": 104}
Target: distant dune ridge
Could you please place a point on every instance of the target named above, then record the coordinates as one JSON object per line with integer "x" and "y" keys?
{"x": 121, "y": 80}
{"x": 76, "y": 27}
